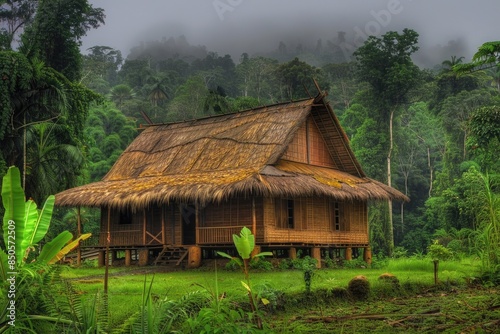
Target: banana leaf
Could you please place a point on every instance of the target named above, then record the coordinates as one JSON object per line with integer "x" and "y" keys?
{"x": 4, "y": 266}
{"x": 37, "y": 226}
{"x": 52, "y": 248}
{"x": 13, "y": 200}
{"x": 245, "y": 243}
{"x": 69, "y": 247}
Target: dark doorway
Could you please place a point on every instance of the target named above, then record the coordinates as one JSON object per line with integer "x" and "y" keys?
{"x": 188, "y": 214}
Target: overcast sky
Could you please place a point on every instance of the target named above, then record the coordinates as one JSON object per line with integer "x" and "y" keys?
{"x": 237, "y": 26}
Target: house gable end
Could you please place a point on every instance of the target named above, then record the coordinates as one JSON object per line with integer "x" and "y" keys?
{"x": 321, "y": 141}
{"x": 308, "y": 146}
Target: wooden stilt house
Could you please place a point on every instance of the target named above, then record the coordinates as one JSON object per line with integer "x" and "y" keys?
{"x": 286, "y": 171}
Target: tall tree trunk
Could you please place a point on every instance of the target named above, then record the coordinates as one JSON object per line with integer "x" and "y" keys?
{"x": 390, "y": 225}
{"x": 431, "y": 176}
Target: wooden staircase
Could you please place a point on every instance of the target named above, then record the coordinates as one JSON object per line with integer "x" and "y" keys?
{"x": 171, "y": 255}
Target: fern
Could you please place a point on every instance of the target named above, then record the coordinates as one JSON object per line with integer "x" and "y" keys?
{"x": 163, "y": 315}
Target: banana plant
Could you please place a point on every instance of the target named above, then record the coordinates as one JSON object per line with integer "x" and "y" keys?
{"x": 24, "y": 226}
{"x": 245, "y": 244}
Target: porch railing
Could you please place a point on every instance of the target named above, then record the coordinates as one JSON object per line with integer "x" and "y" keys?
{"x": 316, "y": 237}
{"x": 117, "y": 238}
{"x": 217, "y": 235}
{"x": 224, "y": 235}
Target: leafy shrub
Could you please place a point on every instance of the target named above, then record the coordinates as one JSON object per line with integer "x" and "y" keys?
{"x": 456, "y": 247}
{"x": 285, "y": 264}
{"x": 261, "y": 264}
{"x": 340, "y": 293}
{"x": 329, "y": 263}
{"x": 275, "y": 298}
{"x": 388, "y": 285}
{"x": 355, "y": 263}
{"x": 308, "y": 265}
{"x": 491, "y": 277}
{"x": 232, "y": 265}
{"x": 399, "y": 252}
{"x": 439, "y": 252}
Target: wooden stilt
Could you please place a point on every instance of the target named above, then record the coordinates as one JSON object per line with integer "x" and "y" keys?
{"x": 367, "y": 255}
{"x": 197, "y": 223}
{"x": 316, "y": 254}
{"x": 194, "y": 257}
{"x": 348, "y": 254}
{"x": 106, "y": 259}
{"x": 144, "y": 226}
{"x": 128, "y": 257}
{"x": 143, "y": 257}
{"x": 79, "y": 231}
{"x": 254, "y": 219}
{"x": 100, "y": 258}
{"x": 163, "y": 236}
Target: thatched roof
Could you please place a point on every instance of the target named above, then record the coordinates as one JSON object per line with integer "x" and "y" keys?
{"x": 214, "y": 158}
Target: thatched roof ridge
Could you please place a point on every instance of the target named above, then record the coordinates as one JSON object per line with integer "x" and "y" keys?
{"x": 215, "y": 158}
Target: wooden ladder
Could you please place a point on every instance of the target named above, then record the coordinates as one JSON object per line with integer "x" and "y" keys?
{"x": 171, "y": 255}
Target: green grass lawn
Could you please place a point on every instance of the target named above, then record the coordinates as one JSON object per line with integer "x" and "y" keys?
{"x": 126, "y": 284}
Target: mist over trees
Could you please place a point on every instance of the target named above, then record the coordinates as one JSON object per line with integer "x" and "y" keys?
{"x": 432, "y": 132}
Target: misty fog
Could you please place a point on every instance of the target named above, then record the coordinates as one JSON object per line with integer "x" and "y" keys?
{"x": 446, "y": 28}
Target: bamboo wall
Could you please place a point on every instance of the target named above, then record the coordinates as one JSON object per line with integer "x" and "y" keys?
{"x": 128, "y": 229}
{"x": 308, "y": 146}
{"x": 314, "y": 222}
{"x": 219, "y": 221}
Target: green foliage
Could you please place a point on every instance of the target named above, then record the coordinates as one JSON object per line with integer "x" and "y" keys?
{"x": 163, "y": 315}
{"x": 354, "y": 263}
{"x": 439, "y": 252}
{"x": 261, "y": 264}
{"x": 17, "y": 75}
{"x": 24, "y": 226}
{"x": 399, "y": 252}
{"x": 43, "y": 118}
{"x": 485, "y": 125}
{"x": 295, "y": 75}
{"x": 108, "y": 133}
{"x": 245, "y": 244}
{"x": 56, "y": 32}
{"x": 385, "y": 63}
{"x": 487, "y": 55}
{"x": 28, "y": 224}
{"x": 307, "y": 265}
{"x": 100, "y": 68}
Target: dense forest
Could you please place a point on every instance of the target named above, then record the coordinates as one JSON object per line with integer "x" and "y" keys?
{"x": 433, "y": 133}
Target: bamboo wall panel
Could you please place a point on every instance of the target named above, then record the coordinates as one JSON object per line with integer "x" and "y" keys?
{"x": 121, "y": 234}
{"x": 218, "y": 235}
{"x": 175, "y": 225}
{"x": 319, "y": 153}
{"x": 236, "y": 212}
{"x": 297, "y": 149}
{"x": 315, "y": 224}
{"x": 308, "y": 146}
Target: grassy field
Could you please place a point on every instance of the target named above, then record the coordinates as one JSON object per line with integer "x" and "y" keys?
{"x": 417, "y": 306}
